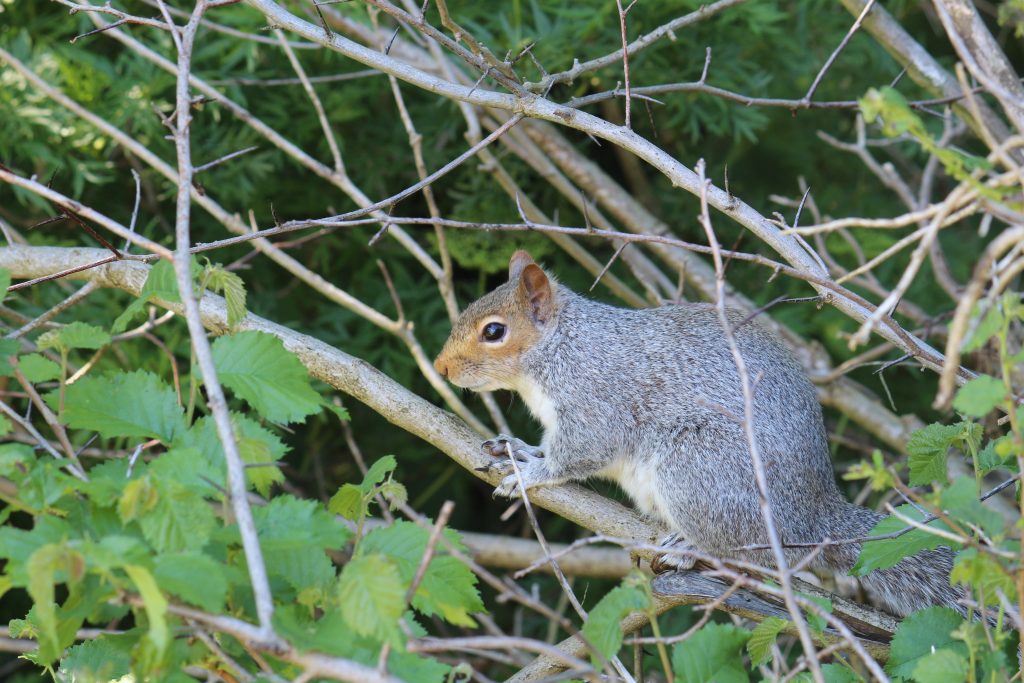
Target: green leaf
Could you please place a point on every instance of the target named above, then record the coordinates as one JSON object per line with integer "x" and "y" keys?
{"x": 919, "y": 635}
{"x": 38, "y": 368}
{"x": 138, "y": 497}
{"x": 448, "y": 587}
{"x": 76, "y": 335}
{"x": 960, "y": 500}
{"x": 372, "y": 597}
{"x": 987, "y": 328}
{"x": 348, "y": 502}
{"x": 814, "y": 620}
{"x": 256, "y": 367}
{"x": 232, "y": 287}
{"x": 941, "y": 666}
{"x": 602, "y": 626}
{"x": 106, "y": 658}
{"x": 711, "y": 654}
{"x": 979, "y": 396}
{"x": 294, "y": 535}
{"x": 259, "y": 446}
{"x": 763, "y": 637}
{"x": 995, "y": 454}
{"x": 155, "y": 605}
{"x": 287, "y": 522}
{"x": 194, "y": 578}
{"x": 8, "y": 347}
{"x": 256, "y": 445}
{"x": 180, "y": 520}
{"x": 927, "y": 450}
{"x": 887, "y": 553}
{"x": 5, "y": 282}
{"x": 47, "y": 566}
{"x": 832, "y": 673}
{"x": 983, "y": 573}
{"x": 123, "y": 404}
{"x": 161, "y": 284}
{"x": 378, "y": 470}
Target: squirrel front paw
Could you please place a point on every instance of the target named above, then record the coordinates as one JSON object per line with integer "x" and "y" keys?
{"x": 676, "y": 559}
{"x": 532, "y": 470}
{"x": 498, "y": 447}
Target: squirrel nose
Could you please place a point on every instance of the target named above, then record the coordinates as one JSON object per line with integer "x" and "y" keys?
{"x": 441, "y": 368}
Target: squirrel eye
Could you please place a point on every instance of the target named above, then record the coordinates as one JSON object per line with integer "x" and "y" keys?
{"x": 493, "y": 332}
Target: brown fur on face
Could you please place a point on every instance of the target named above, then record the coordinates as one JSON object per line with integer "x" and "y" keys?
{"x": 525, "y": 305}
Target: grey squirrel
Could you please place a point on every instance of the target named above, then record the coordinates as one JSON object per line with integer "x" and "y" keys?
{"x": 652, "y": 400}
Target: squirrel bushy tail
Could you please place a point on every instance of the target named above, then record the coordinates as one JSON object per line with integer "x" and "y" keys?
{"x": 918, "y": 581}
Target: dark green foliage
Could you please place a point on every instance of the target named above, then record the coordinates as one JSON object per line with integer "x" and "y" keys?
{"x": 73, "y": 550}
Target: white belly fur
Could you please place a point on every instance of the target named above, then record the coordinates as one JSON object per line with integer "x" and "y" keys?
{"x": 637, "y": 479}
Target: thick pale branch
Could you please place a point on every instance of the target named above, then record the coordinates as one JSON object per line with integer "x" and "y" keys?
{"x": 355, "y": 377}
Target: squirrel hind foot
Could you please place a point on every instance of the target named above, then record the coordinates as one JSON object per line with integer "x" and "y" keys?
{"x": 677, "y": 557}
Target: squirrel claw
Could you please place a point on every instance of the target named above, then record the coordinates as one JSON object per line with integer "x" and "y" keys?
{"x": 508, "y": 488}
{"x": 676, "y": 559}
{"x": 499, "y": 447}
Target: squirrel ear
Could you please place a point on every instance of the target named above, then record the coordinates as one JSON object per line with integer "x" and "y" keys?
{"x": 517, "y": 263}
{"x": 537, "y": 290}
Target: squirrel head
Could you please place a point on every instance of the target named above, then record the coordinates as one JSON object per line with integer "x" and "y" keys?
{"x": 485, "y": 349}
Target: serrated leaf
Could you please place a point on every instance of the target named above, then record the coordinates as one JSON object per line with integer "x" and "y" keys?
{"x": 995, "y": 454}
{"x": 294, "y": 535}
{"x": 257, "y": 368}
{"x": 941, "y": 666}
{"x": 155, "y": 605}
{"x": 76, "y": 335}
{"x": 984, "y": 574}
{"x": 926, "y": 449}
{"x": 919, "y": 635}
{"x": 178, "y": 574}
{"x": 261, "y": 471}
{"x": 602, "y": 626}
{"x": 371, "y": 595}
{"x": 107, "y": 482}
{"x": 106, "y": 658}
{"x": 188, "y": 467}
{"x": 395, "y": 493}
{"x": 888, "y": 553}
{"x": 347, "y": 502}
{"x": 979, "y": 396}
{"x": 232, "y": 287}
{"x": 287, "y": 522}
{"x": 448, "y": 587}
{"x": 123, "y": 404}
{"x": 763, "y": 637}
{"x": 180, "y": 520}
{"x": 711, "y": 654}
{"x": 37, "y": 368}
{"x": 960, "y": 500}
{"x": 161, "y": 283}
{"x": 256, "y": 444}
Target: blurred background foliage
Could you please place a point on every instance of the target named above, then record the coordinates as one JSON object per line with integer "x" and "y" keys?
{"x": 765, "y": 48}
